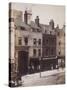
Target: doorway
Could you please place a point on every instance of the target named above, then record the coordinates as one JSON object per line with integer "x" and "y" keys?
{"x": 23, "y": 62}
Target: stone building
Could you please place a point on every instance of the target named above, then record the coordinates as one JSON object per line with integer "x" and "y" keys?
{"x": 28, "y": 42}
{"x": 15, "y": 18}
{"x": 60, "y": 34}
{"x": 32, "y": 46}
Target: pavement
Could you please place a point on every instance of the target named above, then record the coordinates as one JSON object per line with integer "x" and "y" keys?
{"x": 42, "y": 77}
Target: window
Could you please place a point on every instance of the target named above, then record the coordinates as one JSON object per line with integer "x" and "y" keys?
{"x": 45, "y": 31}
{"x": 39, "y": 52}
{"x": 20, "y": 41}
{"x": 33, "y": 29}
{"x": 59, "y": 43}
{"x": 34, "y": 52}
{"x": 50, "y": 32}
{"x": 39, "y": 42}
{"x": 59, "y": 52}
{"x": 26, "y": 40}
{"x": 22, "y": 28}
{"x": 38, "y": 30}
{"x": 34, "y": 41}
{"x": 47, "y": 41}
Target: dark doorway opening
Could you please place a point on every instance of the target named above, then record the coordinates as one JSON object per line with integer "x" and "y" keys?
{"x": 23, "y": 62}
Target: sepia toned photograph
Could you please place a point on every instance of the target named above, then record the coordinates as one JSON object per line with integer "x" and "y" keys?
{"x": 36, "y": 44}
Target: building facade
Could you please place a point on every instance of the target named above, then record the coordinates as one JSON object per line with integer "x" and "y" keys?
{"x": 33, "y": 46}
{"x": 49, "y": 47}
{"x": 28, "y": 46}
{"x": 60, "y": 34}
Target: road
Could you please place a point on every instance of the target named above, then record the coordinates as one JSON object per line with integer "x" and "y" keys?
{"x": 44, "y": 80}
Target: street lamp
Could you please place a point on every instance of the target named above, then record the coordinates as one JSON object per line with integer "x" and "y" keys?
{"x": 40, "y": 66}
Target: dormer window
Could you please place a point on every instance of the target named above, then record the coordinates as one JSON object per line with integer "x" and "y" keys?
{"x": 38, "y": 30}
{"x": 33, "y": 29}
{"x": 22, "y": 28}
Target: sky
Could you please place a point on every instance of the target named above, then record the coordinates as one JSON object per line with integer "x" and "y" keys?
{"x": 45, "y": 12}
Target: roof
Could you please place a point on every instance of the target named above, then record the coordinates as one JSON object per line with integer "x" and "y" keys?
{"x": 34, "y": 27}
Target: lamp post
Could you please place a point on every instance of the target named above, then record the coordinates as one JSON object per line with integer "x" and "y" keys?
{"x": 40, "y": 66}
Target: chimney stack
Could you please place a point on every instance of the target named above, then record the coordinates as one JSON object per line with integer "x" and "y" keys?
{"x": 51, "y": 23}
{"x": 25, "y": 17}
{"x": 37, "y": 20}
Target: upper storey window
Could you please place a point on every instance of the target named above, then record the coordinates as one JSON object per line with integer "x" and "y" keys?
{"x": 20, "y": 41}
{"x": 39, "y": 41}
{"x": 26, "y": 40}
{"x": 34, "y": 41}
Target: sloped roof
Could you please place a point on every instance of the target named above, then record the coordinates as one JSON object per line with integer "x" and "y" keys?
{"x": 34, "y": 25}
